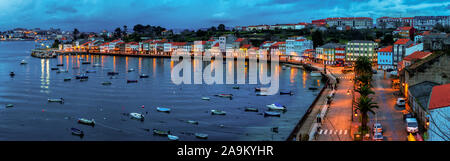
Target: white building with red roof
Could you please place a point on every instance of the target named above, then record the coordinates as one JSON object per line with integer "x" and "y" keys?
{"x": 399, "y": 50}
{"x": 439, "y": 113}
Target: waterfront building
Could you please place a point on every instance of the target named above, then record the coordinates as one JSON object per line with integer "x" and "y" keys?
{"x": 266, "y": 45}
{"x": 279, "y": 48}
{"x": 328, "y": 52}
{"x": 394, "y": 22}
{"x": 104, "y": 48}
{"x": 404, "y": 32}
{"x": 385, "y": 58}
{"x": 318, "y": 23}
{"x": 131, "y": 48}
{"x": 144, "y": 46}
{"x": 309, "y": 55}
{"x": 399, "y": 50}
{"x": 353, "y": 22}
{"x": 428, "y": 22}
{"x": 239, "y": 43}
{"x": 113, "y": 47}
{"x": 296, "y": 45}
{"x": 358, "y": 48}
{"x": 339, "y": 55}
{"x": 439, "y": 112}
{"x": 199, "y": 46}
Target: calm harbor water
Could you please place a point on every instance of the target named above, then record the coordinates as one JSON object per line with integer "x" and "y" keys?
{"x": 34, "y": 118}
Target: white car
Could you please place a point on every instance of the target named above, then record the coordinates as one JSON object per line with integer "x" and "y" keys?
{"x": 401, "y": 102}
{"x": 411, "y": 125}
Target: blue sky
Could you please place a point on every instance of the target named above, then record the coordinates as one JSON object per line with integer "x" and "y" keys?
{"x": 95, "y": 15}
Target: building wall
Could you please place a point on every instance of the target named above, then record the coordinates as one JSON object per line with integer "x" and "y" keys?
{"x": 412, "y": 49}
{"x": 356, "y": 49}
{"x": 385, "y": 60}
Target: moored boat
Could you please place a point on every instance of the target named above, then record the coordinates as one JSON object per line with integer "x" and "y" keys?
{"x": 67, "y": 79}
{"x": 218, "y": 112}
{"x": 9, "y": 105}
{"x": 173, "y": 137}
{"x": 251, "y": 109}
{"x": 86, "y": 121}
{"x": 201, "y": 135}
{"x": 86, "y": 62}
{"x": 62, "y": 71}
{"x": 162, "y": 109}
{"x": 192, "y": 122}
{"x": 206, "y": 98}
{"x": 225, "y": 95}
{"x": 130, "y": 70}
{"x": 82, "y": 76}
{"x": 113, "y": 73}
{"x": 12, "y": 74}
{"x": 137, "y": 116}
{"x": 106, "y": 83}
{"x": 97, "y": 65}
{"x": 160, "y": 132}
{"x": 54, "y": 68}
{"x": 59, "y": 65}
{"x": 287, "y": 93}
{"x": 61, "y": 100}
{"x": 132, "y": 81}
{"x": 91, "y": 71}
{"x": 261, "y": 94}
{"x": 77, "y": 132}
{"x": 236, "y": 87}
{"x": 23, "y": 62}
{"x": 276, "y": 106}
{"x": 143, "y": 76}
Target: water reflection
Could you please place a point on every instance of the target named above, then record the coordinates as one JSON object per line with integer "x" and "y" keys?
{"x": 45, "y": 75}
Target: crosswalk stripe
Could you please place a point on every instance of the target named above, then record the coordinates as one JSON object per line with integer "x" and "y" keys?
{"x": 320, "y": 132}
{"x": 325, "y": 132}
{"x": 340, "y": 132}
{"x": 345, "y": 132}
{"x": 335, "y": 132}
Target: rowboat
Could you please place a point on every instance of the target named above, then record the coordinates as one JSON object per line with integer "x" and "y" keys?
{"x": 250, "y": 109}
{"x": 23, "y": 62}
{"x": 205, "y": 98}
{"x": 9, "y": 105}
{"x": 130, "y": 70}
{"x": 201, "y": 136}
{"x": 312, "y": 88}
{"x": 86, "y": 62}
{"x": 162, "y": 109}
{"x": 62, "y": 71}
{"x": 269, "y": 113}
{"x": 12, "y": 74}
{"x": 56, "y": 100}
{"x": 97, "y": 65}
{"x": 106, "y": 83}
{"x": 276, "y": 106}
{"x": 259, "y": 89}
{"x": 225, "y": 95}
{"x": 54, "y": 68}
{"x": 113, "y": 73}
{"x": 86, "y": 121}
{"x": 82, "y": 76}
{"x": 160, "y": 132}
{"x": 143, "y": 76}
{"x": 287, "y": 93}
{"x": 192, "y": 122}
{"x": 218, "y": 112}
{"x": 137, "y": 116}
{"x": 91, "y": 71}
{"x": 77, "y": 132}
{"x": 67, "y": 79}
{"x": 236, "y": 87}
{"x": 132, "y": 81}
{"x": 59, "y": 65}
{"x": 172, "y": 137}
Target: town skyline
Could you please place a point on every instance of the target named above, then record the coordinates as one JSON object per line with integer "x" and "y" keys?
{"x": 68, "y": 15}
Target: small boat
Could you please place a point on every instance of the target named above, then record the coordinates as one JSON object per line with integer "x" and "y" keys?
{"x": 236, "y": 87}
{"x": 86, "y": 62}
{"x": 83, "y": 79}
{"x": 259, "y": 89}
{"x": 192, "y": 122}
{"x": 130, "y": 70}
{"x": 137, "y": 116}
{"x": 218, "y": 112}
{"x": 54, "y": 68}
{"x": 162, "y": 109}
{"x": 316, "y": 74}
{"x": 61, "y": 100}
{"x": 201, "y": 136}
{"x": 250, "y": 109}
{"x": 77, "y": 132}
{"x": 12, "y": 74}
{"x": 173, "y": 137}
{"x": 82, "y": 76}
{"x": 113, "y": 73}
{"x": 143, "y": 76}
{"x": 106, "y": 83}
{"x": 261, "y": 94}
{"x": 160, "y": 132}
{"x": 91, "y": 71}
{"x": 9, "y": 105}
{"x": 86, "y": 121}
{"x": 269, "y": 113}
{"x": 312, "y": 88}
{"x": 225, "y": 95}
{"x": 23, "y": 62}
{"x": 97, "y": 65}
{"x": 287, "y": 93}
{"x": 206, "y": 98}
{"x": 132, "y": 81}
{"x": 62, "y": 71}
{"x": 59, "y": 65}
{"x": 276, "y": 106}
{"x": 67, "y": 79}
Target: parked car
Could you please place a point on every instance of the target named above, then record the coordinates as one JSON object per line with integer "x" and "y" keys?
{"x": 377, "y": 128}
{"x": 401, "y": 102}
{"x": 375, "y": 72}
{"x": 377, "y": 137}
{"x": 408, "y": 115}
{"x": 389, "y": 70}
{"x": 411, "y": 125}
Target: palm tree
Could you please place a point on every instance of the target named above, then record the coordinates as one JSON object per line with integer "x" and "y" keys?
{"x": 365, "y": 105}
{"x": 365, "y": 91}
{"x": 363, "y": 66}
{"x": 364, "y": 79}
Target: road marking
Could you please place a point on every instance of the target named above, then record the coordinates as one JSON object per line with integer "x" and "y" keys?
{"x": 345, "y": 132}
{"x": 325, "y": 132}
{"x": 320, "y": 132}
{"x": 335, "y": 132}
{"x": 340, "y": 132}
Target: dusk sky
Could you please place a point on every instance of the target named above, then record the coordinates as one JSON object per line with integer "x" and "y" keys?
{"x": 95, "y": 15}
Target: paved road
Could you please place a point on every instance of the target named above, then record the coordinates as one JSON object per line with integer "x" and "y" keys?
{"x": 388, "y": 114}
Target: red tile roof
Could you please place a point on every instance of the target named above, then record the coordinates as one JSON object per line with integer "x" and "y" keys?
{"x": 255, "y": 48}
{"x": 386, "y": 49}
{"x": 440, "y": 97}
{"x": 246, "y": 46}
{"x": 115, "y": 40}
{"x": 340, "y": 49}
{"x": 300, "y": 40}
{"x": 239, "y": 40}
{"x": 406, "y": 28}
{"x": 106, "y": 43}
{"x": 402, "y": 41}
{"x": 417, "y": 55}
{"x": 278, "y": 44}
{"x": 348, "y": 18}
{"x": 178, "y": 43}
{"x": 308, "y": 50}
{"x": 216, "y": 45}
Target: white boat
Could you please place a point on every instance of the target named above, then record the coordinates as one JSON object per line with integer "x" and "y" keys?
{"x": 56, "y": 100}
{"x": 130, "y": 70}
{"x": 137, "y": 116}
{"x": 62, "y": 71}
{"x": 201, "y": 135}
{"x": 276, "y": 106}
{"x": 162, "y": 109}
{"x": 86, "y": 121}
{"x": 316, "y": 74}
{"x": 172, "y": 137}
{"x": 23, "y": 62}
{"x": 97, "y": 65}
{"x": 205, "y": 98}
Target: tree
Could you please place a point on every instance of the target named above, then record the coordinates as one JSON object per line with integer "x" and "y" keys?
{"x": 317, "y": 38}
{"x": 365, "y": 90}
{"x": 125, "y": 29}
{"x": 118, "y": 33}
{"x": 363, "y": 65}
{"x": 75, "y": 33}
{"x": 221, "y": 27}
{"x": 365, "y": 105}
{"x": 365, "y": 79}
{"x": 387, "y": 40}
{"x": 56, "y": 43}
